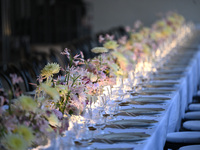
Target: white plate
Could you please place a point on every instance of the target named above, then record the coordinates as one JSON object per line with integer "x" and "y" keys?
{"x": 121, "y": 137}
{"x": 130, "y": 123}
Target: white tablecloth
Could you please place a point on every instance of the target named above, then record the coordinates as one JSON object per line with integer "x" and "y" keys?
{"x": 170, "y": 119}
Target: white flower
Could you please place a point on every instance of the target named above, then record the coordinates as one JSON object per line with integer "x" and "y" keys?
{"x": 14, "y": 142}
{"x": 53, "y": 120}
{"x": 93, "y": 77}
{"x": 26, "y": 133}
{"x": 27, "y": 103}
{"x": 99, "y": 50}
{"x": 111, "y": 44}
{"x": 50, "y": 69}
{"x": 50, "y": 91}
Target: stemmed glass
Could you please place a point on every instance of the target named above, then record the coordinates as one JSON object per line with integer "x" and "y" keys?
{"x": 70, "y": 136}
{"x": 112, "y": 108}
{"x": 94, "y": 114}
{"x": 78, "y": 132}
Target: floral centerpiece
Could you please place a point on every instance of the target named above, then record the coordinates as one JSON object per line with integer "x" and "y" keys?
{"x": 27, "y": 121}
{"x": 23, "y": 124}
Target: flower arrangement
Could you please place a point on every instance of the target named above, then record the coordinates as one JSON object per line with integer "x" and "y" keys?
{"x": 23, "y": 124}
{"x": 26, "y": 121}
{"x": 66, "y": 96}
{"x": 85, "y": 78}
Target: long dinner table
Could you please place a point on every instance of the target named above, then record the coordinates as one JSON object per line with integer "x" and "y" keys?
{"x": 154, "y": 112}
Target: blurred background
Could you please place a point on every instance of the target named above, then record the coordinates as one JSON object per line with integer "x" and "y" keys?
{"x": 34, "y": 28}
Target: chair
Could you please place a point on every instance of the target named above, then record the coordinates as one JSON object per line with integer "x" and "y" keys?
{"x": 80, "y": 45}
{"x": 194, "y": 115}
{"x": 176, "y": 140}
{"x": 35, "y": 64}
{"x": 29, "y": 72}
{"x": 193, "y": 125}
{"x": 194, "y": 107}
{"x": 6, "y": 84}
{"x": 12, "y": 69}
{"x": 190, "y": 147}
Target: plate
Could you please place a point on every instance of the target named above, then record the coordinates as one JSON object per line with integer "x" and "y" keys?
{"x": 161, "y": 89}
{"x": 121, "y": 137}
{"x": 172, "y": 68}
{"x": 151, "y": 99}
{"x": 164, "y": 78}
{"x": 130, "y": 123}
{"x": 162, "y": 84}
{"x": 167, "y": 77}
{"x": 176, "y": 65}
{"x": 139, "y": 111}
{"x": 152, "y": 93}
{"x": 159, "y": 85}
{"x": 170, "y": 71}
{"x": 114, "y": 149}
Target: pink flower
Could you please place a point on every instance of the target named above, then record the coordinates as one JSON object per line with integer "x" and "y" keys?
{"x": 137, "y": 24}
{"x": 82, "y": 56}
{"x": 123, "y": 40}
{"x": 76, "y": 56}
{"x": 27, "y": 123}
{"x": 58, "y": 113}
{"x": 66, "y": 52}
{"x": 16, "y": 79}
{"x": 76, "y": 63}
{"x": 82, "y": 96}
{"x": 86, "y": 80}
{"x": 111, "y": 81}
{"x": 138, "y": 46}
{"x": 109, "y": 37}
{"x": 95, "y": 85}
{"x": 74, "y": 98}
{"x": 10, "y": 123}
{"x": 128, "y": 29}
{"x": 102, "y": 75}
{"x": 101, "y": 39}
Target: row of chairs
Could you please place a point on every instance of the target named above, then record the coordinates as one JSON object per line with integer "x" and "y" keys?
{"x": 21, "y": 77}
{"x": 85, "y": 44}
{"x": 29, "y": 69}
{"x": 18, "y": 78}
{"x": 188, "y": 138}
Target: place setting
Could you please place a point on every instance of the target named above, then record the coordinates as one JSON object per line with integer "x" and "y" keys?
{"x": 130, "y": 123}
{"x": 121, "y": 137}
{"x": 147, "y": 100}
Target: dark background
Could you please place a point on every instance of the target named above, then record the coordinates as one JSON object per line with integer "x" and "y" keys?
{"x": 28, "y": 25}
{"x": 28, "y": 22}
